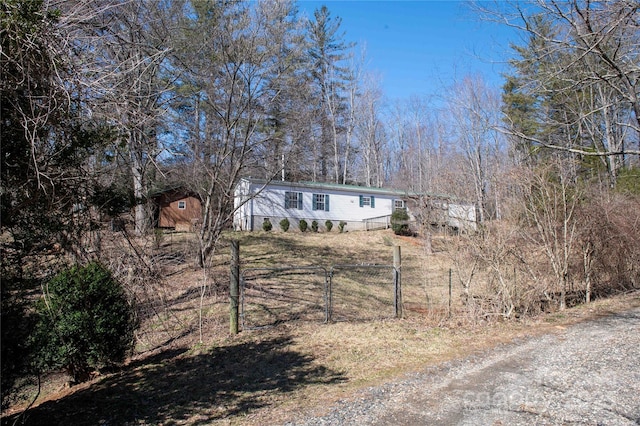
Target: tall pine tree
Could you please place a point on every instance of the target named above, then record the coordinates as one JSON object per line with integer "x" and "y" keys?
{"x": 327, "y": 54}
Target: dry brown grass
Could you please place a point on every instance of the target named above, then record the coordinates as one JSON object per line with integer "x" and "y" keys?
{"x": 268, "y": 376}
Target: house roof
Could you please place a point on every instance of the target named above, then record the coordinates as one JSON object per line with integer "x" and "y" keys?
{"x": 330, "y": 186}
{"x": 346, "y": 188}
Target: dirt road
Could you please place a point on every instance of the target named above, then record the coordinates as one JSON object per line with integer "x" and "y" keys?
{"x": 587, "y": 374}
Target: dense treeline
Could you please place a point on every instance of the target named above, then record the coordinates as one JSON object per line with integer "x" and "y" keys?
{"x": 105, "y": 101}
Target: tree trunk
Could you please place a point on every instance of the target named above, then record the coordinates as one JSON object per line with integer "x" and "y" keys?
{"x": 139, "y": 193}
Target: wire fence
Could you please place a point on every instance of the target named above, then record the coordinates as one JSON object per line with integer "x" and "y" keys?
{"x": 362, "y": 292}
{"x": 430, "y": 293}
{"x": 178, "y": 302}
{"x": 270, "y": 296}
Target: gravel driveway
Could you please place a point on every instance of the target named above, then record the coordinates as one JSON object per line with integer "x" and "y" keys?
{"x": 584, "y": 374}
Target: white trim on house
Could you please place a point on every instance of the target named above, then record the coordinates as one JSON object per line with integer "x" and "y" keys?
{"x": 360, "y": 207}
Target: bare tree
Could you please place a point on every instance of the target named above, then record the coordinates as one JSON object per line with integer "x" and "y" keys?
{"x": 370, "y": 132}
{"x": 550, "y": 203}
{"x": 51, "y": 138}
{"x": 126, "y": 47}
{"x": 352, "y": 89}
{"x": 399, "y": 139}
{"x": 229, "y": 81}
{"x": 474, "y": 110}
{"x": 579, "y": 72}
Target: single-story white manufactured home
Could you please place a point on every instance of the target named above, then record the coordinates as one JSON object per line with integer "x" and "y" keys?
{"x": 361, "y": 208}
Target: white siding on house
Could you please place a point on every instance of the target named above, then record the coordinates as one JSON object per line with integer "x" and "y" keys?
{"x": 462, "y": 216}
{"x": 344, "y": 204}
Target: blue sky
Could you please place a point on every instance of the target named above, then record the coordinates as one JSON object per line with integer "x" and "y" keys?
{"x": 421, "y": 47}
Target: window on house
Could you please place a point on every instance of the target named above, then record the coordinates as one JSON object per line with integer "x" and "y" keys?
{"x": 399, "y": 205}
{"x": 367, "y": 201}
{"x": 293, "y": 200}
{"x": 182, "y": 205}
{"x": 321, "y": 202}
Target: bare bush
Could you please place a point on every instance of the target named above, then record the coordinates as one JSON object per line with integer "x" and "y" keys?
{"x": 501, "y": 273}
{"x": 609, "y": 242}
{"x": 562, "y": 246}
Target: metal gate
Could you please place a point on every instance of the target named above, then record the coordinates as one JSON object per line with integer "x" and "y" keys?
{"x": 269, "y": 296}
{"x": 363, "y": 292}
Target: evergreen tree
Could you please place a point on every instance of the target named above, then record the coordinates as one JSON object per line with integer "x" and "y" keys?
{"x": 327, "y": 54}
{"x": 574, "y": 86}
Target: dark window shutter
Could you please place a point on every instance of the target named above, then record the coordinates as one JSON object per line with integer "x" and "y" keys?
{"x": 286, "y": 200}
{"x": 373, "y": 202}
{"x": 326, "y": 202}
{"x": 314, "y": 199}
{"x": 300, "y": 200}
{"x": 361, "y": 202}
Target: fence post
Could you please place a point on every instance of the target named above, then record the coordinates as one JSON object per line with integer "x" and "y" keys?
{"x": 234, "y": 288}
{"x": 450, "y": 292}
{"x": 328, "y": 296}
{"x": 397, "y": 264}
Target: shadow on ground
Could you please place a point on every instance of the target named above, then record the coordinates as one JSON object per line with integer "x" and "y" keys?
{"x": 175, "y": 388}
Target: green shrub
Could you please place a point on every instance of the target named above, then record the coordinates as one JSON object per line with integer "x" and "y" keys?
{"x": 302, "y": 225}
{"x": 329, "y": 225}
{"x": 266, "y": 225}
{"x": 341, "y": 225}
{"x": 314, "y": 226}
{"x": 84, "y": 322}
{"x": 284, "y": 224}
{"x": 399, "y": 219}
